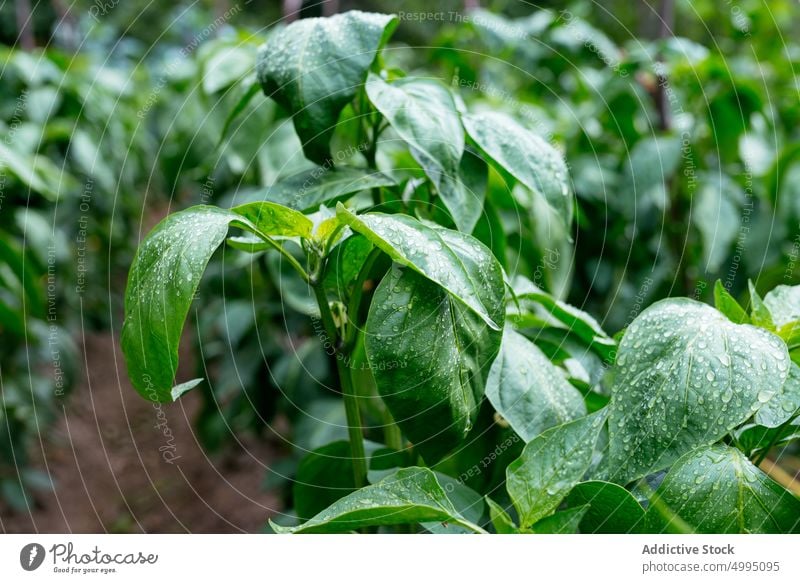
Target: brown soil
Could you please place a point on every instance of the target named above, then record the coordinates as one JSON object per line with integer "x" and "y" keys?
{"x": 110, "y": 475}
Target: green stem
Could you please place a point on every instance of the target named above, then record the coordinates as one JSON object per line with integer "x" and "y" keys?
{"x": 352, "y": 412}
{"x": 292, "y": 261}
{"x": 354, "y": 303}
{"x": 391, "y": 432}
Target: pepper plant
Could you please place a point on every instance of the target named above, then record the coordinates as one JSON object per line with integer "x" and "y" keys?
{"x": 503, "y": 408}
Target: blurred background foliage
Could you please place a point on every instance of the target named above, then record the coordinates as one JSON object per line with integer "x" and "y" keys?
{"x": 679, "y": 121}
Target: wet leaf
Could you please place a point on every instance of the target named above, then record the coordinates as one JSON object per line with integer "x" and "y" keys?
{"x": 529, "y": 391}
{"x": 550, "y": 466}
{"x": 423, "y": 114}
{"x": 430, "y": 356}
{"x": 717, "y": 490}
{"x": 314, "y": 68}
{"x": 684, "y": 377}
{"x": 459, "y": 263}
{"x": 409, "y": 496}
{"x": 611, "y": 508}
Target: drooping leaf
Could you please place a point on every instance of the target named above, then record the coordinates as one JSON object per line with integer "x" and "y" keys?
{"x": 423, "y": 114}
{"x": 728, "y": 305}
{"x": 717, "y": 490}
{"x": 314, "y": 68}
{"x": 550, "y": 466}
{"x": 164, "y": 278}
{"x": 784, "y": 404}
{"x": 527, "y": 157}
{"x": 409, "y": 496}
{"x": 429, "y": 355}
{"x": 685, "y": 376}
{"x": 307, "y": 190}
{"x": 611, "y": 508}
{"x": 459, "y": 263}
{"x": 529, "y": 391}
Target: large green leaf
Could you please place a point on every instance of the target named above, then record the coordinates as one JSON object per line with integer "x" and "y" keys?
{"x": 612, "y": 509}
{"x": 309, "y": 189}
{"x": 164, "y": 278}
{"x": 314, "y": 68}
{"x": 430, "y": 356}
{"x": 527, "y": 157}
{"x": 685, "y": 376}
{"x": 324, "y": 476}
{"x": 459, "y": 263}
{"x": 550, "y": 466}
{"x": 409, "y": 496}
{"x": 717, "y": 490}
{"x": 423, "y": 114}
{"x": 529, "y": 391}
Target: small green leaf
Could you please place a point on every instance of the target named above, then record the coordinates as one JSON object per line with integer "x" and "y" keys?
{"x": 529, "y": 391}
{"x": 459, "y": 263}
{"x": 423, "y": 114}
{"x": 760, "y": 314}
{"x": 275, "y": 220}
{"x": 685, "y": 376}
{"x": 728, "y": 305}
{"x": 527, "y": 157}
{"x": 550, "y": 466}
{"x": 315, "y": 66}
{"x": 307, "y": 190}
{"x": 500, "y": 519}
{"x": 717, "y": 490}
{"x": 611, "y": 508}
{"x": 409, "y": 496}
{"x": 430, "y": 356}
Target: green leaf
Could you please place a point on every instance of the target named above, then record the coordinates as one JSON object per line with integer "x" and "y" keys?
{"x": 529, "y": 391}
{"x": 459, "y": 263}
{"x": 685, "y": 376}
{"x": 275, "y": 220}
{"x": 410, "y": 496}
{"x": 249, "y": 89}
{"x": 307, "y": 190}
{"x": 717, "y": 490}
{"x": 423, "y": 114}
{"x": 760, "y": 314}
{"x": 550, "y": 466}
{"x": 784, "y": 404}
{"x": 315, "y": 66}
{"x": 430, "y": 356}
{"x": 576, "y": 320}
{"x": 563, "y": 522}
{"x": 728, "y": 305}
{"x": 783, "y": 303}
{"x": 524, "y": 155}
{"x": 467, "y": 502}
{"x": 161, "y": 284}
{"x": 500, "y": 519}
{"x": 164, "y": 278}
{"x": 612, "y": 509}
{"x": 324, "y": 476}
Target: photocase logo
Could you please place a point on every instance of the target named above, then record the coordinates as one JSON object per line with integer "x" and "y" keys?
{"x": 31, "y": 556}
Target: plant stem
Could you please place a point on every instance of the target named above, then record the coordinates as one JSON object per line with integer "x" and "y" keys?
{"x": 352, "y": 412}
{"x": 775, "y": 439}
{"x": 391, "y": 432}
